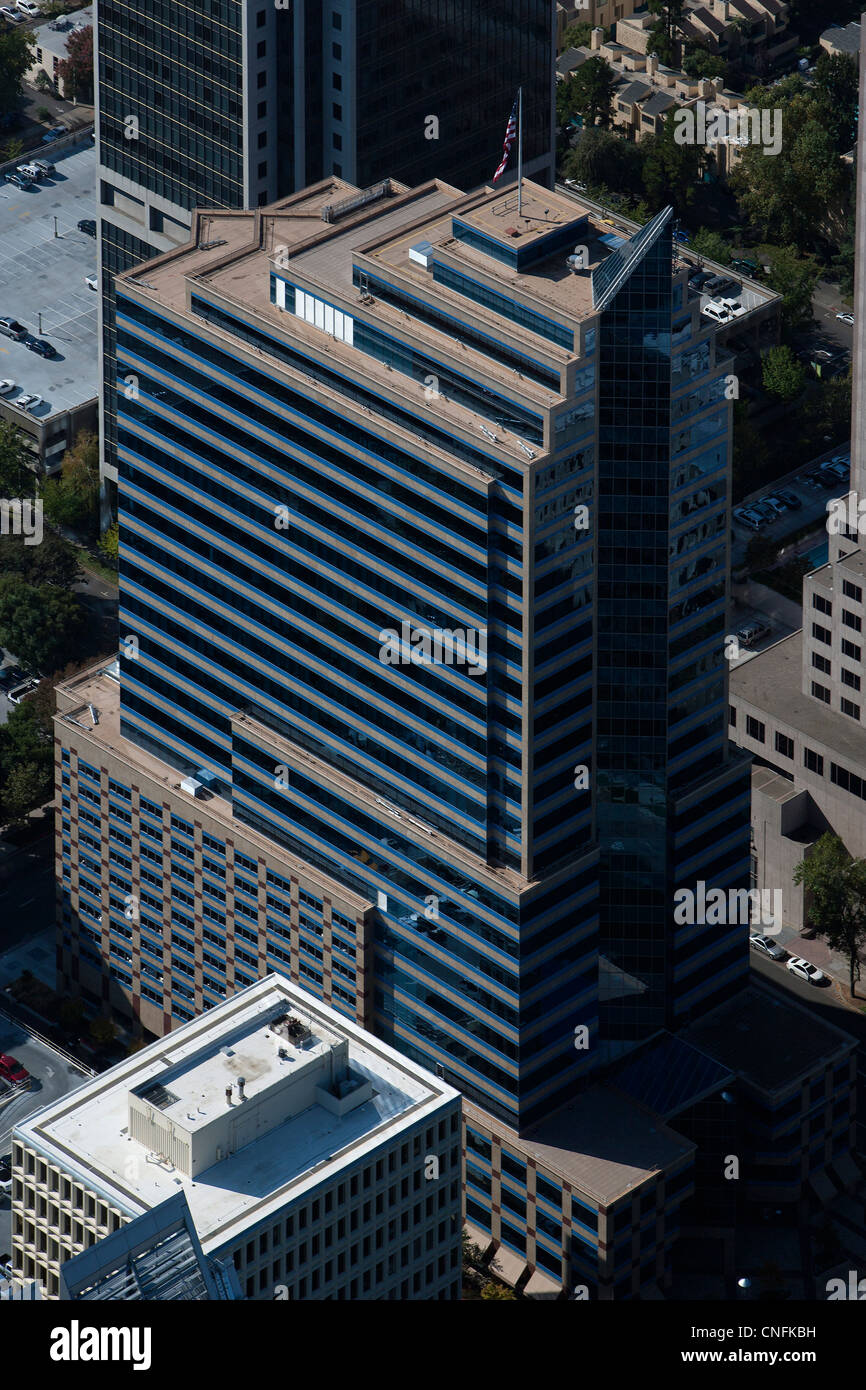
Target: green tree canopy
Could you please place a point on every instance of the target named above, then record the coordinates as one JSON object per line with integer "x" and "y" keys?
{"x": 16, "y": 55}
{"x": 54, "y": 561}
{"x": 577, "y": 35}
{"x": 600, "y": 159}
{"x": 664, "y": 34}
{"x": 73, "y": 499}
{"x": 670, "y": 171}
{"x": 698, "y": 62}
{"x": 787, "y": 195}
{"x": 26, "y": 761}
{"x": 836, "y": 903}
{"x": 591, "y": 90}
{"x": 835, "y": 87}
{"x": 793, "y": 277}
{"x": 712, "y": 245}
{"x": 783, "y": 376}
{"x": 39, "y": 623}
{"x": 16, "y": 479}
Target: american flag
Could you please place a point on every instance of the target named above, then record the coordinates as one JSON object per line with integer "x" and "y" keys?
{"x": 511, "y": 131}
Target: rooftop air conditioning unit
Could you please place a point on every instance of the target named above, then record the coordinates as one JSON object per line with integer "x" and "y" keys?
{"x": 190, "y": 785}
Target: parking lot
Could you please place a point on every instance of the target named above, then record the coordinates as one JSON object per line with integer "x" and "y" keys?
{"x": 812, "y": 494}
{"x": 44, "y": 262}
{"x": 51, "y": 1077}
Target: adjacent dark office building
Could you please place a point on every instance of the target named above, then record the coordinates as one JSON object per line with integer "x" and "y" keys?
{"x": 233, "y": 103}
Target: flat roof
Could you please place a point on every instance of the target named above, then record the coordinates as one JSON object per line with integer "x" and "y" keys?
{"x": 87, "y": 1132}
{"x": 97, "y": 687}
{"x": 44, "y": 273}
{"x": 603, "y": 1143}
{"x": 769, "y": 1041}
{"x": 772, "y": 682}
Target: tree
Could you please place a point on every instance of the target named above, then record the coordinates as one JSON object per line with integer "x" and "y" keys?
{"x": 108, "y": 546}
{"x": 793, "y": 277}
{"x": 103, "y": 1031}
{"x": 43, "y": 114}
{"x": 787, "y": 195}
{"x": 663, "y": 38}
{"x": 601, "y": 158}
{"x": 670, "y": 170}
{"x": 12, "y": 149}
{"x": 783, "y": 376}
{"x": 76, "y": 70}
{"x": 16, "y": 56}
{"x": 16, "y": 479}
{"x": 577, "y": 35}
{"x": 711, "y": 245}
{"x": 53, "y": 562}
{"x": 73, "y": 499}
{"x": 39, "y": 623}
{"x": 27, "y": 786}
{"x": 498, "y": 1291}
{"x": 591, "y": 91}
{"x": 836, "y": 888}
{"x": 835, "y": 87}
{"x": 699, "y": 62}
{"x": 26, "y": 761}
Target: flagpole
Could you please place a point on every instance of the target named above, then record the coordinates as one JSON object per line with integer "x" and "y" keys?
{"x": 520, "y": 153}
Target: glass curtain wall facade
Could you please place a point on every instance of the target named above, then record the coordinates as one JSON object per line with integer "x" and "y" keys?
{"x": 661, "y": 665}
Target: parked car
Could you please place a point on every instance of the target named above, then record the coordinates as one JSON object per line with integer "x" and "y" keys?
{"x": 6, "y": 385}
{"x": 767, "y": 946}
{"x": 28, "y": 8}
{"x": 750, "y": 633}
{"x": 12, "y": 1070}
{"x": 846, "y": 318}
{"x": 45, "y": 167}
{"x": 765, "y": 510}
{"x": 714, "y": 283}
{"x": 844, "y": 459}
{"x": 717, "y": 312}
{"x": 29, "y": 171}
{"x": 28, "y": 402}
{"x": 87, "y": 226}
{"x": 91, "y": 282}
{"x": 40, "y": 346}
{"x": 17, "y": 693}
{"x": 804, "y": 971}
{"x": 9, "y": 676}
{"x": 14, "y": 16}
{"x": 746, "y": 517}
{"x": 54, "y": 133}
{"x": 6, "y": 1174}
{"x": 20, "y": 180}
{"x": 727, "y": 289}
{"x": 838, "y": 470}
{"x": 775, "y": 504}
{"x": 790, "y": 499}
{"x": 699, "y": 279}
{"x": 814, "y": 478}
{"x": 11, "y": 328}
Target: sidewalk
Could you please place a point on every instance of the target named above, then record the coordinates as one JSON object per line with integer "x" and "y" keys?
{"x": 818, "y": 953}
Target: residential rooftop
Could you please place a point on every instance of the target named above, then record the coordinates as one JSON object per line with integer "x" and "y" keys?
{"x": 288, "y": 1151}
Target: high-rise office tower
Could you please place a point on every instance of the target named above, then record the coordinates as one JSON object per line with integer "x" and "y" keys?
{"x": 232, "y": 103}
{"x": 421, "y": 700}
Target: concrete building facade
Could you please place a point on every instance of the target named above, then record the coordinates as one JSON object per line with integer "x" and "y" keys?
{"x": 354, "y": 1152}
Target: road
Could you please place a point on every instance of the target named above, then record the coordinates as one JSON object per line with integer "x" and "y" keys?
{"x": 826, "y": 304}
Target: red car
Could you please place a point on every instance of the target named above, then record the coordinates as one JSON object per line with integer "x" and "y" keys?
{"x": 12, "y": 1070}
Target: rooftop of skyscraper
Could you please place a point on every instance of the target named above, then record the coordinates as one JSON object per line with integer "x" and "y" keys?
{"x": 255, "y": 1102}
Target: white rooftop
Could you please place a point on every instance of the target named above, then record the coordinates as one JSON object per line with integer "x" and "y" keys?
{"x": 288, "y": 1150}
